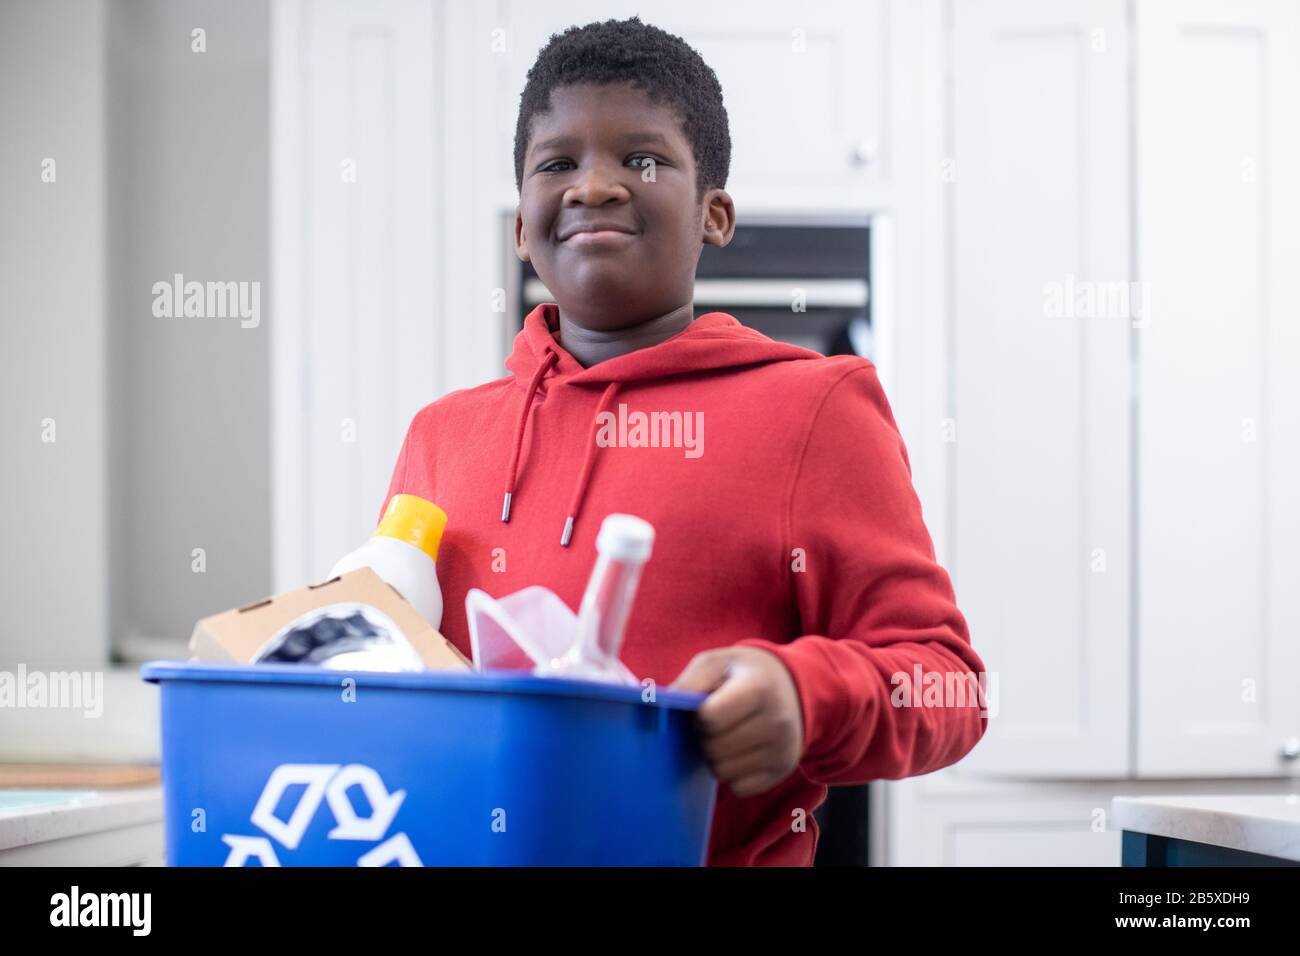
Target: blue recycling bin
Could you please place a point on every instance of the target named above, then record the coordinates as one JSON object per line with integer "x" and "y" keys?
{"x": 293, "y": 765}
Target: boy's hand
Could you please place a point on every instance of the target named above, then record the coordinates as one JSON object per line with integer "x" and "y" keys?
{"x": 751, "y": 724}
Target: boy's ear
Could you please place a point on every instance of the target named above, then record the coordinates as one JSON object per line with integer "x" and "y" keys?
{"x": 521, "y": 244}
{"x": 719, "y": 218}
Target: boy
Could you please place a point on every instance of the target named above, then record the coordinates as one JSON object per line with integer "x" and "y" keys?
{"x": 792, "y": 578}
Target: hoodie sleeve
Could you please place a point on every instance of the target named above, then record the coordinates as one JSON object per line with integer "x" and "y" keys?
{"x": 876, "y": 609}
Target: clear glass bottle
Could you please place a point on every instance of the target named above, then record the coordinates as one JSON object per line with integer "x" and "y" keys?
{"x": 622, "y": 548}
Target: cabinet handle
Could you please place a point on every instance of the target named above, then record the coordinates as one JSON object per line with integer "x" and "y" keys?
{"x": 1291, "y": 748}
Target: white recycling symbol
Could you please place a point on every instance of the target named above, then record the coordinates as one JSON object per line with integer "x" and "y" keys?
{"x": 328, "y": 782}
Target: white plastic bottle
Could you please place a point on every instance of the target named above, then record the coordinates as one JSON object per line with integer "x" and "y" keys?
{"x": 403, "y": 551}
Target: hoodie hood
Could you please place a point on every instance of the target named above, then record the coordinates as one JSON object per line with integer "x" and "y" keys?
{"x": 713, "y": 341}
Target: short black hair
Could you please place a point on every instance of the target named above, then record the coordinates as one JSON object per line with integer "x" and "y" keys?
{"x": 664, "y": 66}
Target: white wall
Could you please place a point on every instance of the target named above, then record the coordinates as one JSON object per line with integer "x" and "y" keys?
{"x": 188, "y": 165}
{"x": 53, "y": 495}
{"x": 161, "y": 425}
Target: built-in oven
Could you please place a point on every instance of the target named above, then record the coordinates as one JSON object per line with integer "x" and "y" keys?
{"x": 798, "y": 280}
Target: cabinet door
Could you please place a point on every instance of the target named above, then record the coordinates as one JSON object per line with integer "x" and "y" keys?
{"x": 806, "y": 91}
{"x": 1218, "y": 120}
{"x": 355, "y": 352}
{"x": 1039, "y": 467}
{"x": 949, "y": 819}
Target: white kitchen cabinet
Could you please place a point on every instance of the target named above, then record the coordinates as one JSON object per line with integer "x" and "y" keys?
{"x": 809, "y": 129}
{"x": 946, "y": 819}
{"x": 1124, "y": 346}
{"x": 1218, "y": 244}
{"x": 1038, "y": 526}
{"x": 1150, "y": 142}
{"x": 356, "y": 266}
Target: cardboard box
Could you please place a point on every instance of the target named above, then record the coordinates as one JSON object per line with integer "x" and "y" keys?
{"x": 238, "y": 634}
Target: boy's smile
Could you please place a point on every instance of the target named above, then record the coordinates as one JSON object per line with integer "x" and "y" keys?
{"x": 609, "y": 212}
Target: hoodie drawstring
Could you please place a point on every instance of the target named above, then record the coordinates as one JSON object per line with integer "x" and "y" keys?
{"x": 588, "y": 461}
{"x": 580, "y": 490}
{"x": 512, "y": 473}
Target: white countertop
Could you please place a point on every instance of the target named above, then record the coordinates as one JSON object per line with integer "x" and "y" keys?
{"x": 37, "y": 816}
{"x": 1267, "y": 824}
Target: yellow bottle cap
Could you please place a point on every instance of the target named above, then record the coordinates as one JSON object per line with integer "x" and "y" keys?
{"x": 418, "y": 522}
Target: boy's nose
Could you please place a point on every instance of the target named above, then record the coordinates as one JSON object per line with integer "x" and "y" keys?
{"x": 596, "y": 187}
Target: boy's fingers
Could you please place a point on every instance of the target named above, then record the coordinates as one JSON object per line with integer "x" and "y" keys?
{"x": 730, "y": 705}
{"x": 741, "y": 764}
{"x": 742, "y": 738}
{"x": 754, "y": 783}
{"x": 704, "y": 673}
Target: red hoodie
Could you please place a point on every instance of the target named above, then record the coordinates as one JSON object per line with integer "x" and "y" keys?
{"x": 784, "y": 519}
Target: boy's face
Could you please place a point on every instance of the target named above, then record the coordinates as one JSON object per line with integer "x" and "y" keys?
{"x": 586, "y": 168}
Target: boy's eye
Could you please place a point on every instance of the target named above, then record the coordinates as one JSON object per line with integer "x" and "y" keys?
{"x": 639, "y": 161}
